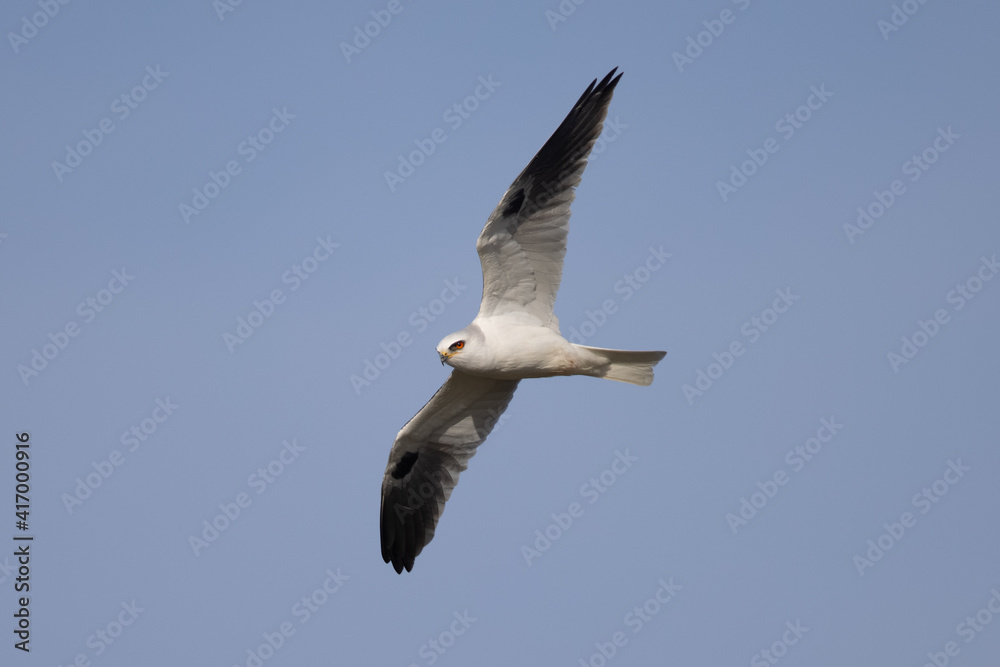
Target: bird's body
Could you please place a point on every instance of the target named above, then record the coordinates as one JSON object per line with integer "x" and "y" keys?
{"x": 514, "y": 337}
{"x": 514, "y": 350}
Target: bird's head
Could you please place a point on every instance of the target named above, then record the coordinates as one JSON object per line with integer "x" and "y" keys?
{"x": 460, "y": 349}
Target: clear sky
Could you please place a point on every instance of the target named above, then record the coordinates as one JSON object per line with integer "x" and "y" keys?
{"x": 232, "y": 235}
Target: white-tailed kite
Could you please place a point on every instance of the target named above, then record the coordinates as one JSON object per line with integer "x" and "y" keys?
{"x": 514, "y": 336}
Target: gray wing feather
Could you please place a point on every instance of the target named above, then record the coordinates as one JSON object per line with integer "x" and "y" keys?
{"x": 522, "y": 246}
{"x": 430, "y": 452}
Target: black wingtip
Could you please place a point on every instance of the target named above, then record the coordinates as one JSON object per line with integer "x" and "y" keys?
{"x": 607, "y": 85}
{"x": 396, "y": 556}
{"x": 607, "y": 80}
{"x": 399, "y": 557}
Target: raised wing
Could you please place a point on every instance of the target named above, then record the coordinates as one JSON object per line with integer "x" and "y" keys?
{"x": 429, "y": 453}
{"x": 523, "y": 243}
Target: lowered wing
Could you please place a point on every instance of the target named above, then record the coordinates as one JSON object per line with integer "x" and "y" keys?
{"x": 430, "y": 452}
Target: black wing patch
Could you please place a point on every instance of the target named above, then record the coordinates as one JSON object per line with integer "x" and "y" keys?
{"x": 514, "y": 206}
{"x": 405, "y": 464}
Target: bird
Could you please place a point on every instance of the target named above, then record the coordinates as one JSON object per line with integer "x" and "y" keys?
{"x": 515, "y": 335}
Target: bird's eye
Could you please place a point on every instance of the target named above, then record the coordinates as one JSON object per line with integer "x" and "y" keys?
{"x": 454, "y": 347}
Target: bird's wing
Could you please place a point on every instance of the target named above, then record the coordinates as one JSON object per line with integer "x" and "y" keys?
{"x": 523, "y": 243}
{"x": 427, "y": 457}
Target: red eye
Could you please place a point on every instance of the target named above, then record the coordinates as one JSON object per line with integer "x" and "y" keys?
{"x": 457, "y": 346}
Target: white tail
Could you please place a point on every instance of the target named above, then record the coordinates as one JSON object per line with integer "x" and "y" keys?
{"x": 629, "y": 366}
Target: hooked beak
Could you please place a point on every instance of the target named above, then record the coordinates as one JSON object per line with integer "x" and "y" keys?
{"x": 444, "y": 357}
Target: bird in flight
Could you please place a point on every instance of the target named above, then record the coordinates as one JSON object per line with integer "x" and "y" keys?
{"x": 515, "y": 335}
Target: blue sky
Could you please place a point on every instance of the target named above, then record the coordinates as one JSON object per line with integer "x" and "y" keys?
{"x": 215, "y": 223}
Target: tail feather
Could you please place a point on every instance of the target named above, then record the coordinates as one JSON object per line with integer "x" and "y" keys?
{"x": 632, "y": 366}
